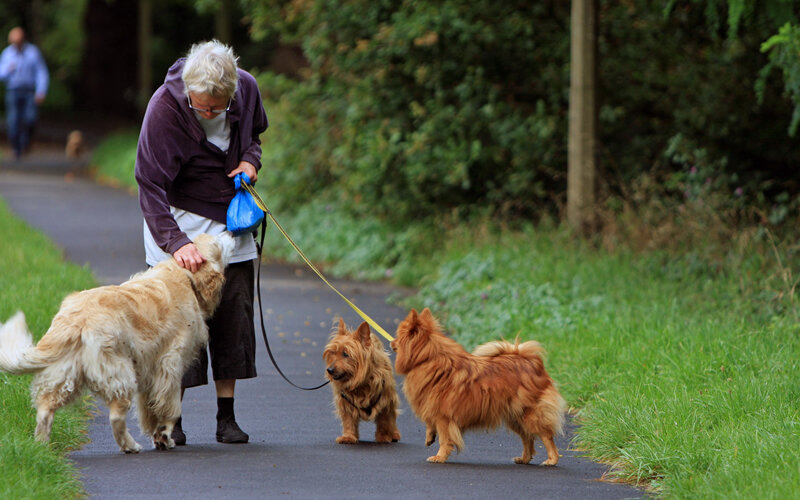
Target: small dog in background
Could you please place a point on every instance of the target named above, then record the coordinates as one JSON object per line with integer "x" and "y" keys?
{"x": 75, "y": 146}
{"x": 362, "y": 382}
{"x": 451, "y": 390}
{"x": 120, "y": 341}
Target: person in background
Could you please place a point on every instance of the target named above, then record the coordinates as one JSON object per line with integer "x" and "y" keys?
{"x": 200, "y": 129}
{"x": 24, "y": 71}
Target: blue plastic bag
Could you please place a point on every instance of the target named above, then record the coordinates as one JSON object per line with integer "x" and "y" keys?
{"x": 244, "y": 216}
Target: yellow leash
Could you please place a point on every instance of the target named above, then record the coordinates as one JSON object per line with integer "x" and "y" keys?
{"x": 263, "y": 206}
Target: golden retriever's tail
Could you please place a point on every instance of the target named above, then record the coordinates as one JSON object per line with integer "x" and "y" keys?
{"x": 17, "y": 353}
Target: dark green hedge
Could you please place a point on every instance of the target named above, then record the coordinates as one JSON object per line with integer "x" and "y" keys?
{"x": 418, "y": 108}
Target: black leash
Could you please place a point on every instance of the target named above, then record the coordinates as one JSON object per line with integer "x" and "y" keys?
{"x": 261, "y": 314}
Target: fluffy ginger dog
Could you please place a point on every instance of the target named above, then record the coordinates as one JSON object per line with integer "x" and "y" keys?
{"x": 362, "y": 382}
{"x": 118, "y": 341}
{"x": 451, "y": 390}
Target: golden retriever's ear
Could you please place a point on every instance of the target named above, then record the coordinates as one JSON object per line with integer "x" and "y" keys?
{"x": 342, "y": 328}
{"x": 364, "y": 334}
{"x": 208, "y": 288}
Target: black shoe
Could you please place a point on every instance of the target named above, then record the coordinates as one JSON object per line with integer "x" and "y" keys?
{"x": 177, "y": 434}
{"x": 229, "y": 432}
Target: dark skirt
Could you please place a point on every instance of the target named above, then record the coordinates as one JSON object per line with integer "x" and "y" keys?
{"x": 231, "y": 332}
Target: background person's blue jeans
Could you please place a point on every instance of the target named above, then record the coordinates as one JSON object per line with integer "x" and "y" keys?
{"x": 20, "y": 118}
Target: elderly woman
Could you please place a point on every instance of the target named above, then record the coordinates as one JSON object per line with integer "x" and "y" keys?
{"x": 201, "y": 128}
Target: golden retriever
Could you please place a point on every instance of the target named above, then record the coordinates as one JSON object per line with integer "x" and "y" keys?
{"x": 118, "y": 341}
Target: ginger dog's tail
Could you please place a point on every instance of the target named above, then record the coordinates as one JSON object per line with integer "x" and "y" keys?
{"x": 551, "y": 405}
{"x": 18, "y": 355}
{"x": 529, "y": 349}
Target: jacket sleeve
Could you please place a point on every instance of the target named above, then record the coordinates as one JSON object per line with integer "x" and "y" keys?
{"x": 42, "y": 75}
{"x": 252, "y": 150}
{"x": 158, "y": 162}
{"x": 5, "y": 64}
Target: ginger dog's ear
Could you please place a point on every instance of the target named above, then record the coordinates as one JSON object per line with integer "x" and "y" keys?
{"x": 427, "y": 323}
{"x": 342, "y": 328}
{"x": 363, "y": 334}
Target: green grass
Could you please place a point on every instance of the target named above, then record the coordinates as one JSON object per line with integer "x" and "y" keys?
{"x": 682, "y": 368}
{"x": 686, "y": 378}
{"x": 113, "y": 160}
{"x": 34, "y": 278}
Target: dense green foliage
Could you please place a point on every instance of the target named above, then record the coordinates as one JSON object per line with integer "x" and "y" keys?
{"x": 784, "y": 49}
{"x": 414, "y": 108}
{"x": 34, "y": 279}
{"x": 411, "y": 108}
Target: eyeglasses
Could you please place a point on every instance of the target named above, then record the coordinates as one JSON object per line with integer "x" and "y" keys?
{"x": 214, "y": 111}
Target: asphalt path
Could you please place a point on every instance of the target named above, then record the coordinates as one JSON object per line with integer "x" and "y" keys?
{"x": 291, "y": 452}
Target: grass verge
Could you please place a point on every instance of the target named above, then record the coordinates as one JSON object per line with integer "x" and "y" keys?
{"x": 682, "y": 366}
{"x": 34, "y": 278}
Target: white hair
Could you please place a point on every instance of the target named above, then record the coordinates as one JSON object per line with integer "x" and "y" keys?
{"x": 211, "y": 68}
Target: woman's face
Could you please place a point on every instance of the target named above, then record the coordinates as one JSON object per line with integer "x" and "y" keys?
{"x": 208, "y": 106}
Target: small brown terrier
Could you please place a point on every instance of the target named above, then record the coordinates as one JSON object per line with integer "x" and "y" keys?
{"x": 451, "y": 390}
{"x": 363, "y": 383}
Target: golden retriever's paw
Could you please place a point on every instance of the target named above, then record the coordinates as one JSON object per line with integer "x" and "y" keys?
{"x": 522, "y": 460}
{"x": 436, "y": 459}
{"x": 132, "y": 447}
{"x": 550, "y": 462}
{"x": 164, "y": 444}
{"x": 347, "y": 439}
{"x": 162, "y": 440}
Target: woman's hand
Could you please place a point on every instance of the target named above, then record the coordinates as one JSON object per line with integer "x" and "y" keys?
{"x": 246, "y": 167}
{"x": 188, "y": 257}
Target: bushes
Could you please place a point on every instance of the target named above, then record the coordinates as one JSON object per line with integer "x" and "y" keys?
{"x": 415, "y": 109}
{"x": 421, "y": 108}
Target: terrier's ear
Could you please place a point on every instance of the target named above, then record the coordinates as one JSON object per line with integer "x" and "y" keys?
{"x": 342, "y": 329}
{"x": 363, "y": 334}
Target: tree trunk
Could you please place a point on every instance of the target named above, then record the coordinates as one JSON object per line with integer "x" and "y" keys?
{"x": 37, "y": 26}
{"x": 145, "y": 59}
{"x": 108, "y": 82}
{"x": 222, "y": 22}
{"x": 582, "y": 117}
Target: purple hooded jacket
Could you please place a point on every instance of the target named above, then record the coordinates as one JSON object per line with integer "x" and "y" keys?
{"x": 176, "y": 165}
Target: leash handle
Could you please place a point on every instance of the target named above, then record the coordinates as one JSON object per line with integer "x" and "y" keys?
{"x": 261, "y": 315}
